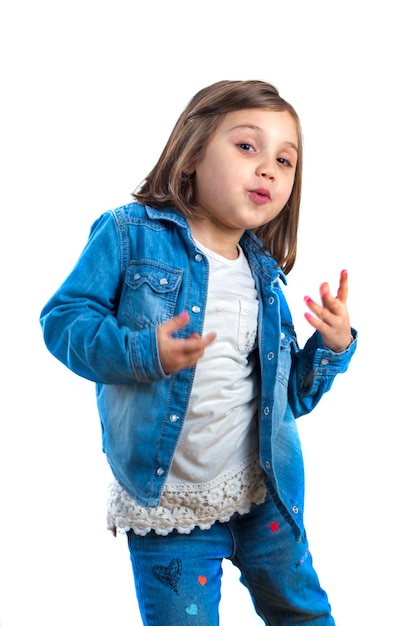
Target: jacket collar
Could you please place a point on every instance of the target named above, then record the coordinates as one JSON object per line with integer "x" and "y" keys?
{"x": 260, "y": 260}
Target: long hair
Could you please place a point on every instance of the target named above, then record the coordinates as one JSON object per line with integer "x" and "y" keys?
{"x": 169, "y": 184}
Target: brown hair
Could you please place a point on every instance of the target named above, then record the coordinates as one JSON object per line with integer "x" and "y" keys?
{"x": 169, "y": 184}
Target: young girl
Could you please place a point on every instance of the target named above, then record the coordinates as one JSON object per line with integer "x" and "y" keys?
{"x": 175, "y": 309}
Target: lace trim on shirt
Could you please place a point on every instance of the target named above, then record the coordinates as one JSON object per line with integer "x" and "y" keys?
{"x": 183, "y": 507}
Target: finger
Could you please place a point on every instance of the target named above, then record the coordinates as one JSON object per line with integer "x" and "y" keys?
{"x": 313, "y": 321}
{"x": 196, "y": 343}
{"x": 175, "y": 323}
{"x": 324, "y": 291}
{"x": 317, "y": 309}
{"x": 342, "y": 292}
{"x": 209, "y": 338}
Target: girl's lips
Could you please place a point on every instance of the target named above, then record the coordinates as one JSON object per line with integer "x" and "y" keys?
{"x": 260, "y": 196}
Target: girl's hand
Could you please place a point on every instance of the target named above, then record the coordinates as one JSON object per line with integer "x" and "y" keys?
{"x": 331, "y": 319}
{"x": 175, "y": 353}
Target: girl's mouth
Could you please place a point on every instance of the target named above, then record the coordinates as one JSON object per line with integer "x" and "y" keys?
{"x": 260, "y": 196}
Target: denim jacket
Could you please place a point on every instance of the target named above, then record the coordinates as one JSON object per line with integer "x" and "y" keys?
{"x": 139, "y": 268}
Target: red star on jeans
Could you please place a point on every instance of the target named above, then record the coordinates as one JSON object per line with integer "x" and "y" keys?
{"x": 274, "y": 527}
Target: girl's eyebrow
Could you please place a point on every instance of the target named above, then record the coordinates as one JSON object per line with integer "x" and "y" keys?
{"x": 290, "y": 144}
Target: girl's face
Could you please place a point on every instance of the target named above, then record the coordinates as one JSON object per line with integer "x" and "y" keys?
{"x": 247, "y": 173}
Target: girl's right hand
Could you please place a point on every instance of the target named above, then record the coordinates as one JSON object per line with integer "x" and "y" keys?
{"x": 176, "y": 353}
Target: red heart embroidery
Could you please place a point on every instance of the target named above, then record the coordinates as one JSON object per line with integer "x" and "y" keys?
{"x": 202, "y": 580}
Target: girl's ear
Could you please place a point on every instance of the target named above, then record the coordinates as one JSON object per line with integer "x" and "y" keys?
{"x": 189, "y": 169}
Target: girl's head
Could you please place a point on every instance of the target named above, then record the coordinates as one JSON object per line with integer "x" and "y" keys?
{"x": 171, "y": 182}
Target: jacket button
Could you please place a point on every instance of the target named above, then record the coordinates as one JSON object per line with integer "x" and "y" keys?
{"x": 270, "y": 356}
{"x": 173, "y": 418}
{"x": 325, "y": 361}
{"x": 267, "y": 465}
{"x": 198, "y": 257}
{"x": 282, "y": 336}
{"x": 295, "y": 509}
{"x": 271, "y": 300}
{"x": 160, "y": 471}
{"x": 136, "y": 276}
{"x": 266, "y": 410}
{"x": 163, "y": 282}
{"x": 196, "y": 308}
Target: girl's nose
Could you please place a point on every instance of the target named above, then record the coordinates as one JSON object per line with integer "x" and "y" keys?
{"x": 266, "y": 169}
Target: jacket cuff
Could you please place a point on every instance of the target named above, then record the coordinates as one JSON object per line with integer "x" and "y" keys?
{"x": 144, "y": 355}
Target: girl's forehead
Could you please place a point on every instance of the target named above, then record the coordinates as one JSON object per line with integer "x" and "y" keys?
{"x": 260, "y": 120}
{"x": 257, "y": 114}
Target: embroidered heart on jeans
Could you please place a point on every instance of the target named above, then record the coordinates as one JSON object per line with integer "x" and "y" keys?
{"x": 170, "y": 574}
{"x": 192, "y": 609}
{"x": 202, "y": 580}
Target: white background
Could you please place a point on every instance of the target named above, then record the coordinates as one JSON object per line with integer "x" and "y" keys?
{"x": 90, "y": 92}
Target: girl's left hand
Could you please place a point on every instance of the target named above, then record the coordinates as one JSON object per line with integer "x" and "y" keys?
{"x": 331, "y": 319}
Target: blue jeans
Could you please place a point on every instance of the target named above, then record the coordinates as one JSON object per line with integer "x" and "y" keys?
{"x": 178, "y": 577}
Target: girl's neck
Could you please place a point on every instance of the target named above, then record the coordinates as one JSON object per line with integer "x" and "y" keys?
{"x": 225, "y": 244}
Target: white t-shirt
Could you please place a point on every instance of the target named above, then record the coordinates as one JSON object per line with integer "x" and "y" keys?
{"x": 220, "y": 431}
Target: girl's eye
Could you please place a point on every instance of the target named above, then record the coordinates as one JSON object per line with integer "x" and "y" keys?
{"x": 246, "y": 146}
{"x": 284, "y": 161}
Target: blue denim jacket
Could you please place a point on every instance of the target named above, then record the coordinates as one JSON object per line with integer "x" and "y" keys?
{"x": 140, "y": 267}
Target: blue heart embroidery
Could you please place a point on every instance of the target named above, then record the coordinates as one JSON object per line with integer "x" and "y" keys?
{"x": 192, "y": 609}
{"x": 170, "y": 574}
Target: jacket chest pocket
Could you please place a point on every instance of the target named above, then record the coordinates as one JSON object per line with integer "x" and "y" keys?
{"x": 287, "y": 340}
{"x": 149, "y": 294}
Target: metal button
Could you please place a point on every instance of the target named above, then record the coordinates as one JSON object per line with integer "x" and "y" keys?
{"x": 173, "y": 418}
{"x": 198, "y": 257}
{"x": 163, "y": 282}
{"x": 295, "y": 509}
{"x": 266, "y": 410}
{"x": 136, "y": 276}
{"x": 282, "y": 336}
{"x": 271, "y": 300}
{"x": 325, "y": 361}
{"x": 196, "y": 308}
{"x": 270, "y": 356}
{"x": 160, "y": 471}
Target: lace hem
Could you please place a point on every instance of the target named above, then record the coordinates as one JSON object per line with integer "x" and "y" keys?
{"x": 184, "y": 507}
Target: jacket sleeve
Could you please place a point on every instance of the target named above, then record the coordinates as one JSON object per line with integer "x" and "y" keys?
{"x": 79, "y": 322}
{"x": 313, "y": 371}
